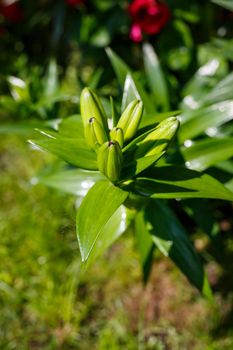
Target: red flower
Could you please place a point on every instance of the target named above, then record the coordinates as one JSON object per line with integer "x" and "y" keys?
{"x": 74, "y": 2}
{"x": 148, "y": 16}
{"x": 11, "y": 11}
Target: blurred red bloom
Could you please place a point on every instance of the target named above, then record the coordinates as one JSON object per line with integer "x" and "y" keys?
{"x": 148, "y": 16}
{"x": 12, "y": 11}
{"x": 74, "y": 2}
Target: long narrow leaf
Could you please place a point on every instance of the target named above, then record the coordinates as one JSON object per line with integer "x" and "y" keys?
{"x": 178, "y": 182}
{"x": 166, "y": 228}
{"x": 72, "y": 151}
{"x": 145, "y": 244}
{"x": 122, "y": 70}
{"x": 114, "y": 228}
{"x": 155, "y": 77}
{"x": 228, "y": 4}
{"x": 205, "y": 120}
{"x": 97, "y": 208}
{"x": 76, "y": 181}
{"x": 208, "y": 152}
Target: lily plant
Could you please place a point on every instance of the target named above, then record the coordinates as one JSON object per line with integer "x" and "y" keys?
{"x": 125, "y": 173}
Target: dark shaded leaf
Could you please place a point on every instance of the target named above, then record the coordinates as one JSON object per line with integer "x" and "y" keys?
{"x": 144, "y": 243}
{"x": 167, "y": 230}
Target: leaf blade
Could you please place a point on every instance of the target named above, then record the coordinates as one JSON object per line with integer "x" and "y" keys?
{"x": 166, "y": 227}
{"x": 155, "y": 77}
{"x": 100, "y": 203}
{"x": 72, "y": 151}
{"x": 177, "y": 182}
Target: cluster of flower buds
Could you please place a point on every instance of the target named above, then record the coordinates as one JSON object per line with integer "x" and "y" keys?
{"x": 109, "y": 159}
{"x": 130, "y": 119}
{"x": 108, "y": 144}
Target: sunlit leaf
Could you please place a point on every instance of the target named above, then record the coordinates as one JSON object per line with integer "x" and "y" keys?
{"x": 97, "y": 208}
{"x": 72, "y": 127}
{"x": 177, "y": 182}
{"x": 18, "y": 88}
{"x": 130, "y": 92}
{"x": 221, "y": 92}
{"x": 155, "y": 77}
{"x": 72, "y": 151}
{"x": 205, "y": 153}
{"x": 73, "y": 181}
{"x": 113, "y": 229}
{"x": 51, "y": 79}
{"x": 20, "y": 128}
{"x": 228, "y": 4}
{"x": 205, "y": 120}
{"x": 122, "y": 70}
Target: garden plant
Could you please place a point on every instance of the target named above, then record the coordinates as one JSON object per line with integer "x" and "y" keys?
{"x": 116, "y": 161}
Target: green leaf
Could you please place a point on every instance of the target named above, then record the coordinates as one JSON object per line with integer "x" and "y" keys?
{"x": 99, "y": 205}
{"x": 200, "y": 211}
{"x": 221, "y": 92}
{"x": 113, "y": 229}
{"x": 20, "y": 128}
{"x": 130, "y": 92}
{"x": 144, "y": 244}
{"x": 228, "y": 4}
{"x": 224, "y": 47}
{"x": 95, "y": 78}
{"x": 76, "y": 182}
{"x": 154, "y": 118}
{"x": 177, "y": 182}
{"x": 72, "y": 127}
{"x": 72, "y": 151}
{"x": 138, "y": 165}
{"x": 195, "y": 123}
{"x": 115, "y": 116}
{"x": 173, "y": 242}
{"x": 18, "y": 88}
{"x": 122, "y": 70}
{"x": 155, "y": 77}
{"x": 120, "y": 67}
{"x": 205, "y": 153}
{"x": 229, "y": 185}
{"x": 51, "y": 83}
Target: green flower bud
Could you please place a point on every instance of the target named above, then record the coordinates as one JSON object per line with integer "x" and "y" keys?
{"x": 94, "y": 133}
{"x": 158, "y": 140}
{"x": 109, "y": 160}
{"x": 91, "y": 107}
{"x": 130, "y": 119}
{"x": 117, "y": 135}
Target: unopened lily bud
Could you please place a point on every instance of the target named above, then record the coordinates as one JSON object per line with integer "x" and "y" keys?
{"x": 130, "y": 119}
{"x": 158, "y": 140}
{"x": 91, "y": 107}
{"x": 95, "y": 133}
{"x": 117, "y": 135}
{"x": 109, "y": 160}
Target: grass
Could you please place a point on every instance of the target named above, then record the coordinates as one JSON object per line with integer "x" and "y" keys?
{"x": 48, "y": 301}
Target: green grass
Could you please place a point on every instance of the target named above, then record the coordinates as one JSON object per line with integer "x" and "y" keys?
{"x": 48, "y": 301}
